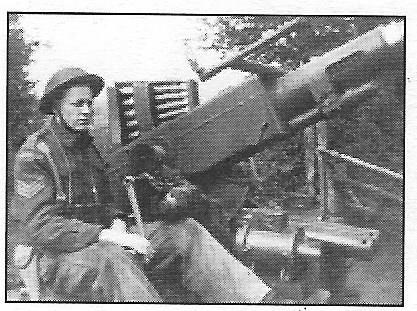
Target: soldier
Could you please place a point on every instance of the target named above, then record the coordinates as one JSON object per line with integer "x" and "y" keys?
{"x": 63, "y": 200}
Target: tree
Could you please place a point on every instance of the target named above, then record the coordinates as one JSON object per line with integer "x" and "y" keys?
{"x": 22, "y": 110}
{"x": 22, "y": 118}
{"x": 21, "y": 102}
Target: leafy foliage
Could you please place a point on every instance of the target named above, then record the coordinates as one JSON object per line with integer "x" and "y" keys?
{"x": 23, "y": 117}
{"x": 374, "y": 130}
{"x": 21, "y": 102}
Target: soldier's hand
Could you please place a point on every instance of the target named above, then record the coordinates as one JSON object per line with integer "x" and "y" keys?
{"x": 179, "y": 197}
{"x": 119, "y": 225}
{"x": 130, "y": 240}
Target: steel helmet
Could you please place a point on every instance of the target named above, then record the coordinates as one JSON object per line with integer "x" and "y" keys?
{"x": 65, "y": 78}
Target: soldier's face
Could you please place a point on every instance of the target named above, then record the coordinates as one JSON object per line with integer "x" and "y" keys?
{"x": 76, "y": 108}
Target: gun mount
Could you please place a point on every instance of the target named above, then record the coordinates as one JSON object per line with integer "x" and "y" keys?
{"x": 202, "y": 142}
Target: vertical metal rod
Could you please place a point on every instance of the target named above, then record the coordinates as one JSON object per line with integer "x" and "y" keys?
{"x": 254, "y": 170}
{"x": 309, "y": 158}
{"x": 129, "y": 184}
{"x": 321, "y": 129}
{"x": 330, "y": 190}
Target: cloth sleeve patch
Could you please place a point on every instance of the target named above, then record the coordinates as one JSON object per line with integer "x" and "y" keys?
{"x": 28, "y": 189}
{"x": 29, "y": 155}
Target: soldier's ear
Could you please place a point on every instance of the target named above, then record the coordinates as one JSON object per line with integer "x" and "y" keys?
{"x": 57, "y": 116}
{"x": 55, "y": 108}
{"x": 57, "y": 98}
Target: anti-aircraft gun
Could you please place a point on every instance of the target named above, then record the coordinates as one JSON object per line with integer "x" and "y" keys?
{"x": 205, "y": 142}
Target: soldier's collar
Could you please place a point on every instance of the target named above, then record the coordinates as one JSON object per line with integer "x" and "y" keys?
{"x": 70, "y": 139}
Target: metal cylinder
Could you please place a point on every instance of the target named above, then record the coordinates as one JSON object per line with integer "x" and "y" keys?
{"x": 353, "y": 242}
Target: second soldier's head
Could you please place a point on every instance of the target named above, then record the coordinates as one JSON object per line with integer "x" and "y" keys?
{"x": 69, "y": 95}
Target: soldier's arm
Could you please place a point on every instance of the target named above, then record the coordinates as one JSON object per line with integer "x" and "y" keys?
{"x": 34, "y": 202}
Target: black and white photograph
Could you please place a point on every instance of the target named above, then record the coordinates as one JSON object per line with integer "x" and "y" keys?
{"x": 200, "y": 159}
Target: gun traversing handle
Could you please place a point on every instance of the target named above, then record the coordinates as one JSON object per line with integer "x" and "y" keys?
{"x": 130, "y": 187}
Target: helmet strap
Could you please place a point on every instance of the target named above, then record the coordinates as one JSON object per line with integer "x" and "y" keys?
{"x": 61, "y": 121}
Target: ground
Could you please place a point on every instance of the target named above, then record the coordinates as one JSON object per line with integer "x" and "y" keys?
{"x": 378, "y": 281}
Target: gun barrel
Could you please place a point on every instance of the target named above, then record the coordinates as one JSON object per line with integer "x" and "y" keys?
{"x": 247, "y": 118}
{"x": 331, "y": 106}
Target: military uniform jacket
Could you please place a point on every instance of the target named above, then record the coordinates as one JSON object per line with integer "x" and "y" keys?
{"x": 61, "y": 192}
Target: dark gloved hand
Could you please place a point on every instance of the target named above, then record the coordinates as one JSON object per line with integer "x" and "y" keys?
{"x": 179, "y": 202}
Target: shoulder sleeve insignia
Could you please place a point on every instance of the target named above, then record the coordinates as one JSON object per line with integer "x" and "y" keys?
{"x": 29, "y": 189}
{"x": 29, "y": 155}
{"x": 43, "y": 147}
